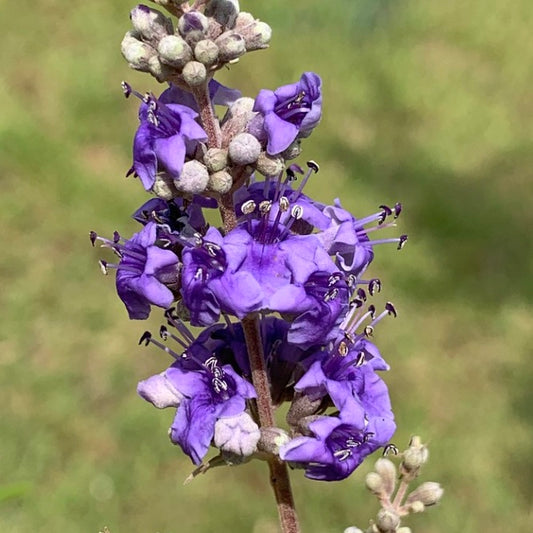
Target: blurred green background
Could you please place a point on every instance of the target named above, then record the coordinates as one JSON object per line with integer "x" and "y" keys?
{"x": 425, "y": 102}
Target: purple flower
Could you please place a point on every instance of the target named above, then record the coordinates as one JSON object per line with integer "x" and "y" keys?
{"x": 347, "y": 238}
{"x": 290, "y": 111}
{"x": 337, "y": 447}
{"x": 204, "y": 396}
{"x": 165, "y": 134}
{"x": 144, "y": 272}
{"x": 263, "y": 267}
{"x": 141, "y": 267}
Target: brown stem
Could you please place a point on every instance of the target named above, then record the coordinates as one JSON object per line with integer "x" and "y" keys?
{"x": 279, "y": 474}
{"x": 207, "y": 116}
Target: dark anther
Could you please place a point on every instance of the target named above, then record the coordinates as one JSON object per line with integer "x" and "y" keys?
{"x": 169, "y": 313}
{"x": 146, "y": 338}
{"x": 103, "y": 266}
{"x": 372, "y": 310}
{"x": 403, "y": 240}
{"x": 374, "y": 286}
{"x": 397, "y": 209}
{"x": 356, "y": 302}
{"x": 390, "y": 448}
{"x": 296, "y": 168}
{"x": 93, "y": 235}
{"x": 360, "y": 359}
{"x": 369, "y": 331}
{"x": 386, "y": 211}
{"x": 290, "y": 174}
{"x": 126, "y": 88}
{"x": 163, "y": 332}
{"x": 391, "y": 309}
{"x": 362, "y": 294}
{"x": 116, "y": 237}
{"x": 130, "y": 172}
{"x": 313, "y": 166}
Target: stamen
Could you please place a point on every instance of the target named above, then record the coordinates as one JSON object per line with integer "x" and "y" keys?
{"x": 147, "y": 338}
{"x": 165, "y": 334}
{"x": 342, "y": 455}
{"x": 390, "y": 448}
{"x": 175, "y": 321}
{"x": 397, "y": 209}
{"x": 313, "y": 167}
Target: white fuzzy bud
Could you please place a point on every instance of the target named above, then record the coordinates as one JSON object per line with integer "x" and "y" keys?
{"x": 428, "y": 493}
{"x": 164, "y": 186}
{"x": 417, "y": 507}
{"x": 230, "y": 46}
{"x": 269, "y": 165}
{"x": 244, "y": 149}
{"x": 135, "y": 52}
{"x": 237, "y": 434}
{"x": 387, "y": 470}
{"x": 174, "y": 51}
{"x": 220, "y": 182}
{"x": 257, "y": 36}
{"x": 158, "y": 70}
{"x": 206, "y": 51}
{"x": 225, "y": 12}
{"x": 150, "y": 23}
{"x": 244, "y": 20}
{"x": 352, "y": 529}
{"x": 193, "y": 178}
{"x": 387, "y": 521}
{"x": 404, "y": 529}
{"x": 194, "y": 73}
{"x": 216, "y": 159}
{"x": 415, "y": 456}
{"x": 374, "y": 483}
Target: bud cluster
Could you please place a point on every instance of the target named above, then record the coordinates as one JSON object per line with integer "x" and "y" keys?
{"x": 395, "y": 501}
{"x": 205, "y": 37}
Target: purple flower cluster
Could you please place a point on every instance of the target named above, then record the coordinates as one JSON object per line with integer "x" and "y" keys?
{"x": 292, "y": 265}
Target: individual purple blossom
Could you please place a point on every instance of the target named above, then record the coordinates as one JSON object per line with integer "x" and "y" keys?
{"x": 141, "y": 271}
{"x": 205, "y": 395}
{"x": 167, "y": 132}
{"x": 290, "y": 111}
{"x": 337, "y": 446}
{"x": 347, "y": 238}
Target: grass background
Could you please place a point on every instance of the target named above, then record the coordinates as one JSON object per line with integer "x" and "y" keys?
{"x": 425, "y": 102}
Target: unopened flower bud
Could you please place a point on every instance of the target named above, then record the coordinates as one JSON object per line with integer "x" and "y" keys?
{"x": 387, "y": 470}
{"x": 231, "y": 46}
{"x": 269, "y": 165}
{"x": 244, "y": 20}
{"x": 135, "y": 52}
{"x": 272, "y": 439}
{"x": 158, "y": 70}
{"x": 352, "y": 529}
{"x": 174, "y": 51}
{"x": 244, "y": 149}
{"x": 150, "y": 23}
{"x": 404, "y": 530}
{"x": 302, "y": 407}
{"x": 193, "y": 26}
{"x": 428, "y": 493}
{"x": 417, "y": 507}
{"x": 194, "y": 73}
{"x": 206, "y": 51}
{"x": 257, "y": 36}
{"x": 415, "y": 456}
{"x": 293, "y": 151}
{"x": 223, "y": 11}
{"x": 216, "y": 159}
{"x": 193, "y": 178}
{"x": 220, "y": 182}
{"x": 374, "y": 483}
{"x": 387, "y": 521}
{"x": 163, "y": 186}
